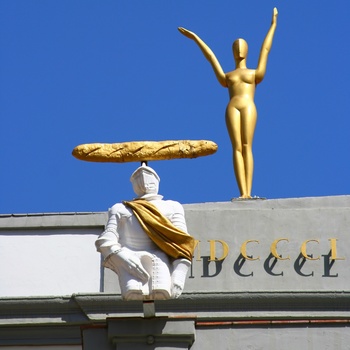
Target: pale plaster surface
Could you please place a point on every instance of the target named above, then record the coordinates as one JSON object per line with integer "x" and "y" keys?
{"x": 54, "y": 254}
{"x": 48, "y": 262}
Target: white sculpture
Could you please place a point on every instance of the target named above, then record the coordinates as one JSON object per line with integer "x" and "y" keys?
{"x": 146, "y": 271}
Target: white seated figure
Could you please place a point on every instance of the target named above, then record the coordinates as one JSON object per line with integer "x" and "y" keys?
{"x": 146, "y": 242}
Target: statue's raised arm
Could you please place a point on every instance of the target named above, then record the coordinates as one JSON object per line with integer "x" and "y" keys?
{"x": 208, "y": 53}
{"x": 265, "y": 49}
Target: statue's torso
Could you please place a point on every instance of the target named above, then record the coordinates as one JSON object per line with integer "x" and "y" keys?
{"x": 241, "y": 86}
{"x": 130, "y": 232}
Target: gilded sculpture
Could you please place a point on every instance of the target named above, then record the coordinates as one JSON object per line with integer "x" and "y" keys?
{"x": 241, "y": 114}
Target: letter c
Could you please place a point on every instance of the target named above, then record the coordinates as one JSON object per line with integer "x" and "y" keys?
{"x": 244, "y": 250}
{"x": 274, "y": 249}
{"x": 303, "y": 249}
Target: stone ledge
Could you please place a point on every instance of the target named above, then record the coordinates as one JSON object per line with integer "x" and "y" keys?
{"x": 83, "y": 219}
{"x": 85, "y": 309}
{"x": 52, "y": 221}
{"x": 140, "y": 332}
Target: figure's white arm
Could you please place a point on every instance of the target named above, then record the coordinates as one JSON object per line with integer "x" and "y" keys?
{"x": 108, "y": 242}
{"x": 178, "y": 216}
{"x": 115, "y": 256}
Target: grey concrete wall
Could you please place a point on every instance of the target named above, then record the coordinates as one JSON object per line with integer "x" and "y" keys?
{"x": 273, "y": 338}
{"x": 265, "y": 221}
{"x": 324, "y": 222}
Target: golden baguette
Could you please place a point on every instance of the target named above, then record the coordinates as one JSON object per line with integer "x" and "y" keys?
{"x": 144, "y": 150}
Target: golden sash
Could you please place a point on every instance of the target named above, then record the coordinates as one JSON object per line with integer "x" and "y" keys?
{"x": 170, "y": 239}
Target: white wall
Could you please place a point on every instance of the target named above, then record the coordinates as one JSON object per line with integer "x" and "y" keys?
{"x": 49, "y": 262}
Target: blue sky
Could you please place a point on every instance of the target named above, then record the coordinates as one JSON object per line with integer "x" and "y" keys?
{"x": 80, "y": 71}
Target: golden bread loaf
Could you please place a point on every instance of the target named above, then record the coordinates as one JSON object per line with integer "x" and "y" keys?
{"x": 144, "y": 150}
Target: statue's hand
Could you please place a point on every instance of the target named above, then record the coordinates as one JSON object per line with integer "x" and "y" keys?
{"x": 178, "y": 277}
{"x": 186, "y": 33}
{"x": 176, "y": 290}
{"x": 131, "y": 263}
{"x": 274, "y": 16}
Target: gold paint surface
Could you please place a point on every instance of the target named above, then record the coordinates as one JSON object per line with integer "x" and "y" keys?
{"x": 225, "y": 249}
{"x": 273, "y": 249}
{"x": 303, "y": 249}
{"x": 169, "y": 238}
{"x": 244, "y": 250}
{"x": 241, "y": 114}
{"x": 138, "y": 151}
{"x": 334, "y": 255}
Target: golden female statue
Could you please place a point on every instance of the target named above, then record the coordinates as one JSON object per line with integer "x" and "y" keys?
{"x": 241, "y": 112}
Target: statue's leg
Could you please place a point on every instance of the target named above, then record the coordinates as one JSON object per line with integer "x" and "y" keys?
{"x": 248, "y": 120}
{"x": 158, "y": 266}
{"x": 233, "y": 124}
{"x": 131, "y": 288}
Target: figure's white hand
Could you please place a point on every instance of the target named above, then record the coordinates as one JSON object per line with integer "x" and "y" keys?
{"x": 176, "y": 291}
{"x": 178, "y": 277}
{"x": 131, "y": 263}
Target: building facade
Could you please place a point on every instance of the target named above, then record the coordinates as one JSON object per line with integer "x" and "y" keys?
{"x": 265, "y": 274}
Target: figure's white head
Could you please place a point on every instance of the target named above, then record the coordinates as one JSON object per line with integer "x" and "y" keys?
{"x": 145, "y": 181}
